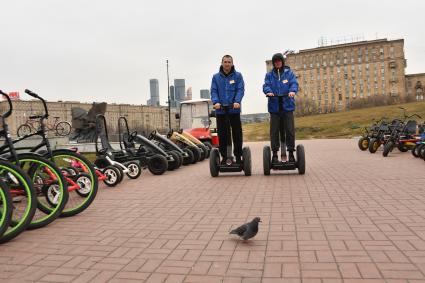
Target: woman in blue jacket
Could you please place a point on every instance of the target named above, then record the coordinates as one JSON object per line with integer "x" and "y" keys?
{"x": 281, "y": 86}
{"x": 227, "y": 89}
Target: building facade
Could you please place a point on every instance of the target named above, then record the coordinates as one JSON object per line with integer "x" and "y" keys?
{"x": 415, "y": 87}
{"x": 140, "y": 117}
{"x": 332, "y": 78}
{"x": 154, "y": 91}
{"x": 179, "y": 90}
{"x": 205, "y": 93}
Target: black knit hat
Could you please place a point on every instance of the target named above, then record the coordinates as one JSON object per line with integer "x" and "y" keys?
{"x": 278, "y": 56}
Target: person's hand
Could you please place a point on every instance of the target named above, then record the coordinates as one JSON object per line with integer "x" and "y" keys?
{"x": 217, "y": 106}
{"x": 269, "y": 94}
{"x": 291, "y": 94}
{"x": 236, "y": 105}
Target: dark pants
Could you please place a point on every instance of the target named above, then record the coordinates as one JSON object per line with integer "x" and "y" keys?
{"x": 282, "y": 127}
{"x": 224, "y": 136}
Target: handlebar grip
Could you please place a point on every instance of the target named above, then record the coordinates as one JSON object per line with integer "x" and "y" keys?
{"x": 33, "y": 94}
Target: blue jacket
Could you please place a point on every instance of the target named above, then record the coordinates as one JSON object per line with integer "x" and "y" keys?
{"x": 227, "y": 90}
{"x": 286, "y": 83}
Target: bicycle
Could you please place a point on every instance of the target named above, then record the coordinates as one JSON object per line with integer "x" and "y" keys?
{"x": 61, "y": 128}
{"x": 82, "y": 186}
{"x": 51, "y": 188}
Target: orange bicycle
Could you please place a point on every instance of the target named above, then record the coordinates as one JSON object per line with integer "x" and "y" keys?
{"x": 32, "y": 124}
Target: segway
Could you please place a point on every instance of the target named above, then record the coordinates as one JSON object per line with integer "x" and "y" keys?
{"x": 287, "y": 165}
{"x": 230, "y": 165}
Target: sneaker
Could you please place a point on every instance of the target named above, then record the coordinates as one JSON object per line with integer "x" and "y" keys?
{"x": 275, "y": 159}
{"x": 223, "y": 161}
{"x": 291, "y": 156}
{"x": 283, "y": 157}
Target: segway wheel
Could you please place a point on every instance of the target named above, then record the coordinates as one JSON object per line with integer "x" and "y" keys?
{"x": 373, "y": 145}
{"x": 157, "y": 164}
{"x": 134, "y": 169}
{"x": 301, "y": 159}
{"x": 190, "y": 158}
{"x": 266, "y": 160}
{"x": 246, "y": 156}
{"x": 180, "y": 156}
{"x": 363, "y": 143}
{"x": 214, "y": 162}
{"x": 388, "y": 147}
{"x": 402, "y": 148}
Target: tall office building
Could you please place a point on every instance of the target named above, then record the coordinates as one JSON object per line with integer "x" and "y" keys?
{"x": 179, "y": 90}
{"x": 172, "y": 97}
{"x": 154, "y": 88}
{"x": 205, "y": 93}
{"x": 189, "y": 93}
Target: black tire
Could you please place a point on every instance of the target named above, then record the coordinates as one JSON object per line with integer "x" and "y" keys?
{"x": 157, "y": 164}
{"x": 172, "y": 165}
{"x": 204, "y": 152}
{"x": 301, "y": 159}
{"x": 112, "y": 176}
{"x": 120, "y": 172}
{"x": 134, "y": 169}
{"x": 402, "y": 148}
{"x": 23, "y": 130}
{"x": 63, "y": 128}
{"x": 34, "y": 165}
{"x": 180, "y": 156}
{"x": 190, "y": 158}
{"x": 416, "y": 150}
{"x": 21, "y": 218}
{"x": 266, "y": 160}
{"x": 5, "y": 207}
{"x": 363, "y": 143}
{"x": 210, "y": 147}
{"x": 79, "y": 175}
{"x": 388, "y": 147}
{"x": 246, "y": 159}
{"x": 214, "y": 162}
{"x": 373, "y": 145}
{"x": 196, "y": 153}
{"x": 422, "y": 152}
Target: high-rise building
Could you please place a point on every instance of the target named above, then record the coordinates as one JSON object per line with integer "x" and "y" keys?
{"x": 332, "y": 78}
{"x": 179, "y": 90}
{"x": 188, "y": 93}
{"x": 154, "y": 88}
{"x": 205, "y": 93}
{"x": 172, "y": 97}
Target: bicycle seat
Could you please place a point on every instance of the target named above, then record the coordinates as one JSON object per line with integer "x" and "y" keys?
{"x": 56, "y": 117}
{"x": 35, "y": 117}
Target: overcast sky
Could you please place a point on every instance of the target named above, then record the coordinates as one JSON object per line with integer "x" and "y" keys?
{"x": 102, "y": 50}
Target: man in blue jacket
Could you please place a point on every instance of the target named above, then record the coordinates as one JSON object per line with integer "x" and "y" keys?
{"x": 227, "y": 91}
{"x": 281, "y": 86}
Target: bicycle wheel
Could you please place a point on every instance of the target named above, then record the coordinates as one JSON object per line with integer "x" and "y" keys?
{"x": 23, "y": 196}
{"x": 82, "y": 186}
{"x": 23, "y": 130}
{"x": 63, "y": 128}
{"x": 5, "y": 207}
{"x": 50, "y": 186}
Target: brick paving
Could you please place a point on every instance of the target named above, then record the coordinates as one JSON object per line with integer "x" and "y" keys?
{"x": 354, "y": 217}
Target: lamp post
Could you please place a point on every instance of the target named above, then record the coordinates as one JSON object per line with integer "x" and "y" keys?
{"x": 169, "y": 102}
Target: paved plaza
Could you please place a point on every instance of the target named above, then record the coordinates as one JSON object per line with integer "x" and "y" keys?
{"x": 354, "y": 217}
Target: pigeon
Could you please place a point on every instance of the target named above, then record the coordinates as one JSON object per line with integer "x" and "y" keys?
{"x": 247, "y": 230}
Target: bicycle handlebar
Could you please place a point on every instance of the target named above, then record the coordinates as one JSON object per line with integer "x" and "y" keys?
{"x": 9, "y": 101}
{"x": 35, "y": 95}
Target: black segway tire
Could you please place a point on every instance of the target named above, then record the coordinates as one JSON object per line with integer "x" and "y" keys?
{"x": 301, "y": 159}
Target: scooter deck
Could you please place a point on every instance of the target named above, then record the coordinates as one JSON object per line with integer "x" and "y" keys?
{"x": 284, "y": 165}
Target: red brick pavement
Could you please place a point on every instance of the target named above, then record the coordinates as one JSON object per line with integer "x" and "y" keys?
{"x": 354, "y": 217}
